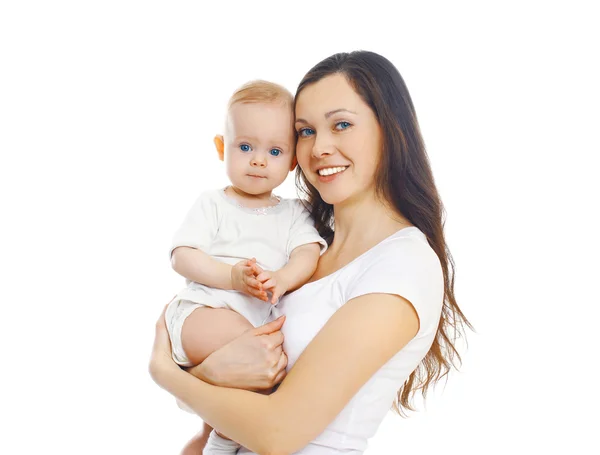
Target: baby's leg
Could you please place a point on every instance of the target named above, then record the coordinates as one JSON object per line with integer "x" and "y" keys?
{"x": 204, "y": 331}
{"x": 208, "y": 329}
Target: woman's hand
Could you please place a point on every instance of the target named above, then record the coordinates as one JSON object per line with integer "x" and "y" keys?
{"x": 253, "y": 361}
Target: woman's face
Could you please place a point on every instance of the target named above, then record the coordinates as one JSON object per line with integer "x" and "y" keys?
{"x": 339, "y": 140}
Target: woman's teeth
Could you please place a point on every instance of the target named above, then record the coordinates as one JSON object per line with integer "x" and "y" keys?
{"x": 332, "y": 170}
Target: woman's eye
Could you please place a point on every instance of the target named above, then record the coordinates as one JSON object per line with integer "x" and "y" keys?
{"x": 275, "y": 152}
{"x": 245, "y": 148}
{"x": 342, "y": 125}
{"x": 305, "y": 132}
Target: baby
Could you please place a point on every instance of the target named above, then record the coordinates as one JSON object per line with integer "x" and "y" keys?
{"x": 241, "y": 248}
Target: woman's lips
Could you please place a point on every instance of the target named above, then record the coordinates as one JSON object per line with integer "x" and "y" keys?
{"x": 330, "y": 178}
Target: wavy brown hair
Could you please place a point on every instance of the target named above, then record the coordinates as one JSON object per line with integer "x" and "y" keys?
{"x": 403, "y": 179}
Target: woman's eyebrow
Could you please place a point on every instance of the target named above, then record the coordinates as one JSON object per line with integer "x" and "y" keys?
{"x": 328, "y": 114}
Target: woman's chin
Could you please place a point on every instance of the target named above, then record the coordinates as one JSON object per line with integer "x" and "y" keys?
{"x": 333, "y": 197}
{"x": 340, "y": 196}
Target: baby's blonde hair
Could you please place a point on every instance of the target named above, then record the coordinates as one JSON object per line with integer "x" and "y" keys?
{"x": 259, "y": 91}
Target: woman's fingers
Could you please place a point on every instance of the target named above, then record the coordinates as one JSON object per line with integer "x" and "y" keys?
{"x": 275, "y": 339}
{"x": 283, "y": 361}
{"x": 269, "y": 327}
{"x": 280, "y": 377}
{"x": 281, "y": 368}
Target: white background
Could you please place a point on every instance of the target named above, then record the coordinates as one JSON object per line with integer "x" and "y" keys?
{"x": 107, "y": 113}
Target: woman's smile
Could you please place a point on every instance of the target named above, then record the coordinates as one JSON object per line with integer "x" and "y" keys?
{"x": 330, "y": 174}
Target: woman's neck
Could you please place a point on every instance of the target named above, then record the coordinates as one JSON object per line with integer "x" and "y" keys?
{"x": 364, "y": 222}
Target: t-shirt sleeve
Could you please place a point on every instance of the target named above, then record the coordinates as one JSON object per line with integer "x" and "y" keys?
{"x": 303, "y": 229}
{"x": 407, "y": 267}
{"x": 200, "y": 225}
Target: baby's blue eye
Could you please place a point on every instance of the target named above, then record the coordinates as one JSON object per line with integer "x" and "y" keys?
{"x": 275, "y": 152}
{"x": 305, "y": 132}
{"x": 342, "y": 125}
{"x": 245, "y": 148}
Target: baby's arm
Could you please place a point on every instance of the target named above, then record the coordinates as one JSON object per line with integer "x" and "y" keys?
{"x": 301, "y": 266}
{"x": 196, "y": 265}
{"x": 193, "y": 239}
{"x": 298, "y": 270}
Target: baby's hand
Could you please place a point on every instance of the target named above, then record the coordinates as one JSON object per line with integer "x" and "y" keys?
{"x": 274, "y": 282}
{"x": 243, "y": 279}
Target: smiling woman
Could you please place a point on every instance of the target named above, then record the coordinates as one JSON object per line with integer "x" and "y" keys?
{"x": 352, "y": 128}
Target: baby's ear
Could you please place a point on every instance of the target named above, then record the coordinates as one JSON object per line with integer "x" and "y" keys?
{"x": 220, "y": 145}
{"x": 294, "y": 163}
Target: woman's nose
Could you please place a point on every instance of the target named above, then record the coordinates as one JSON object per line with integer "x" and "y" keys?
{"x": 320, "y": 149}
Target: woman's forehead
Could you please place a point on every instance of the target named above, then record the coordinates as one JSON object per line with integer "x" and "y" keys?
{"x": 327, "y": 96}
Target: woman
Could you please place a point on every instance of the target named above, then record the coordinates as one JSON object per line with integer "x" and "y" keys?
{"x": 377, "y": 320}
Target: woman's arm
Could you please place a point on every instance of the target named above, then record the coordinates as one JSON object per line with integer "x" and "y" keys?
{"x": 334, "y": 366}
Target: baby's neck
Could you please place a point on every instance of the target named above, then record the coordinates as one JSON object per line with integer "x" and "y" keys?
{"x": 251, "y": 200}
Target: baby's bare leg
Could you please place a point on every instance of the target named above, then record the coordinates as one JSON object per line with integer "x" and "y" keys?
{"x": 203, "y": 332}
{"x": 196, "y": 445}
{"x": 208, "y": 329}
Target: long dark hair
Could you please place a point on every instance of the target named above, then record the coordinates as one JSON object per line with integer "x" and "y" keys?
{"x": 404, "y": 180}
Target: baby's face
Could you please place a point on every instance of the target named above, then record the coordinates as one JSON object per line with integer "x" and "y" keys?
{"x": 259, "y": 146}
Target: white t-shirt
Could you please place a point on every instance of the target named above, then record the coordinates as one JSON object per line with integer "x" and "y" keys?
{"x": 229, "y": 232}
{"x": 403, "y": 264}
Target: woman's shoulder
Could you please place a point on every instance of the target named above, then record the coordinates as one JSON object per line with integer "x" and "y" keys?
{"x": 406, "y": 246}
{"x": 403, "y": 264}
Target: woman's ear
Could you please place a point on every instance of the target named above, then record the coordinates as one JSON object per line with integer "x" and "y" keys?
{"x": 294, "y": 163}
{"x": 220, "y": 145}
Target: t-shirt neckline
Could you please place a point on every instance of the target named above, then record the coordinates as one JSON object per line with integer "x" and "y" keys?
{"x": 389, "y": 237}
{"x": 254, "y": 211}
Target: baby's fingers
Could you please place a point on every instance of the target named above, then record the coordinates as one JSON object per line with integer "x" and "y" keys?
{"x": 261, "y": 295}
{"x": 248, "y": 270}
{"x": 269, "y": 284}
{"x": 276, "y": 296}
{"x": 253, "y": 283}
{"x": 264, "y": 276}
